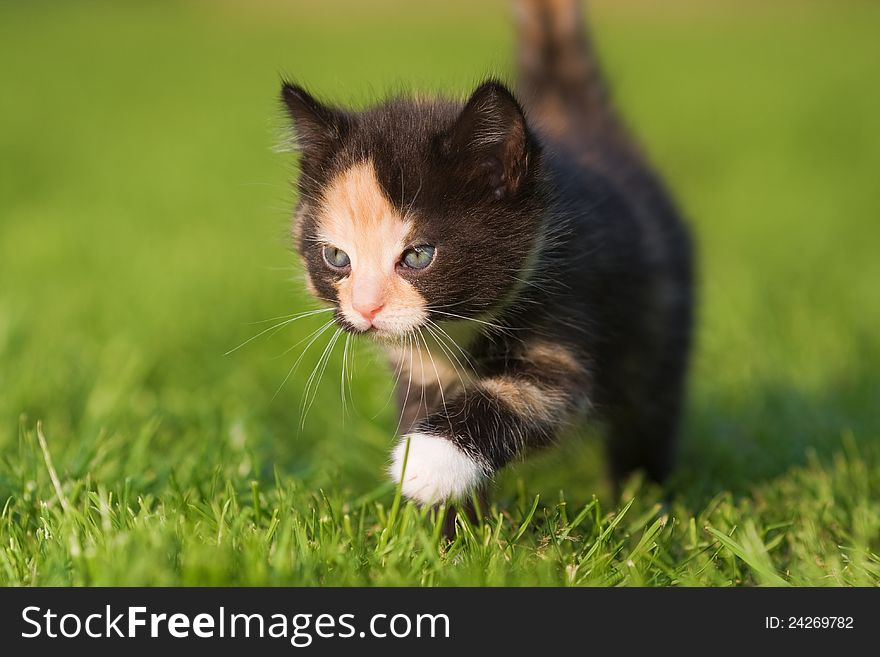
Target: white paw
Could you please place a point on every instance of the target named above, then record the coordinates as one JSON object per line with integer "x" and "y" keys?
{"x": 436, "y": 470}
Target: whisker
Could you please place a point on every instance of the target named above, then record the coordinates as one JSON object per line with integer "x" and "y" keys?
{"x": 350, "y": 374}
{"x": 342, "y": 377}
{"x": 311, "y": 379}
{"x": 408, "y": 384}
{"x": 330, "y": 301}
{"x": 436, "y": 374}
{"x": 497, "y": 327}
{"x": 531, "y": 283}
{"x": 278, "y": 326}
{"x": 398, "y": 370}
{"x": 317, "y": 334}
{"x": 464, "y": 354}
{"x": 326, "y": 358}
{"x": 450, "y": 305}
{"x": 299, "y": 342}
{"x": 412, "y": 203}
{"x": 423, "y": 398}
{"x": 452, "y": 360}
{"x": 271, "y": 319}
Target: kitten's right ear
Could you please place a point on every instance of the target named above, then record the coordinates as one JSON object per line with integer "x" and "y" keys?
{"x": 491, "y": 137}
{"x": 318, "y": 128}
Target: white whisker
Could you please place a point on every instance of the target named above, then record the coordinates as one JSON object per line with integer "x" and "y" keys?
{"x": 408, "y": 384}
{"x": 342, "y": 377}
{"x": 279, "y": 326}
{"x": 317, "y": 334}
{"x": 497, "y": 327}
{"x": 315, "y": 378}
{"x": 464, "y": 354}
{"x": 436, "y": 374}
{"x": 423, "y": 399}
{"x": 452, "y": 360}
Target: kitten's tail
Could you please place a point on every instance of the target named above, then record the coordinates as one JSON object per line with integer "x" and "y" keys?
{"x": 560, "y": 82}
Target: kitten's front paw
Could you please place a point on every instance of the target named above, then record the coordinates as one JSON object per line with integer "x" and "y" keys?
{"x": 436, "y": 470}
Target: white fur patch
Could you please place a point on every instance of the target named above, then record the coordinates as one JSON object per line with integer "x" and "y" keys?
{"x": 436, "y": 470}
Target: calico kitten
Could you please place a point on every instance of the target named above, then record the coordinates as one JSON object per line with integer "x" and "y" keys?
{"x": 517, "y": 256}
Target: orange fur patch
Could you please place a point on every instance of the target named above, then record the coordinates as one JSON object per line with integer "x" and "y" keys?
{"x": 555, "y": 357}
{"x": 527, "y": 400}
{"x": 357, "y": 217}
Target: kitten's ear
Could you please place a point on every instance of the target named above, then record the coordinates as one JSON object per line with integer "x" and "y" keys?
{"x": 318, "y": 128}
{"x": 492, "y": 135}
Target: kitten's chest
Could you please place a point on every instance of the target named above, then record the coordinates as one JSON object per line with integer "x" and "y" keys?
{"x": 434, "y": 360}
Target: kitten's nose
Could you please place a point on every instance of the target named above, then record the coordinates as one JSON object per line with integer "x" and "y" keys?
{"x": 368, "y": 310}
{"x": 367, "y": 296}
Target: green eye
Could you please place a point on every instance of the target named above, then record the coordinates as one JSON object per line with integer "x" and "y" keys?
{"x": 418, "y": 257}
{"x": 336, "y": 257}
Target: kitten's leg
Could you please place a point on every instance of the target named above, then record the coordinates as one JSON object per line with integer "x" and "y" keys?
{"x": 643, "y": 420}
{"x": 458, "y": 447}
{"x": 415, "y": 406}
{"x": 472, "y": 509}
{"x": 643, "y": 438}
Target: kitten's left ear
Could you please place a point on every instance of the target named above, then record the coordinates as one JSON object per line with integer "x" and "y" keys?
{"x": 492, "y": 135}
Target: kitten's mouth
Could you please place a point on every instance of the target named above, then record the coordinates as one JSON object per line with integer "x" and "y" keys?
{"x": 382, "y": 334}
{"x": 378, "y": 333}
{"x": 381, "y": 329}
{"x": 348, "y": 327}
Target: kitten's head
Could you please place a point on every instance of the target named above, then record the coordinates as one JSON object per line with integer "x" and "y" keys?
{"x": 415, "y": 210}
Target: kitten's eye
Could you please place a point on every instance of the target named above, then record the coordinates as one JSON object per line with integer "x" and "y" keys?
{"x": 418, "y": 257}
{"x": 336, "y": 258}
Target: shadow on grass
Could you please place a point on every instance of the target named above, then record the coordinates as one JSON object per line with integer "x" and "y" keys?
{"x": 734, "y": 443}
{"x": 730, "y": 443}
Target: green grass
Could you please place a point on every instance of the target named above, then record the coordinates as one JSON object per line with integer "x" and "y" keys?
{"x": 142, "y": 233}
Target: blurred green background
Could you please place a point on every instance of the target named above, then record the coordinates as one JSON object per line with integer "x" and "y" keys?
{"x": 144, "y": 214}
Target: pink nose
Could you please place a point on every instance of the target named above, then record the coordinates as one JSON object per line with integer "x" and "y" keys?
{"x": 368, "y": 309}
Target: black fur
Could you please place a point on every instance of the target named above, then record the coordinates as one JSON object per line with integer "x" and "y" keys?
{"x": 552, "y": 229}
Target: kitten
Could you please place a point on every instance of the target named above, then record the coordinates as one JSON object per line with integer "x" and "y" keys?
{"x": 517, "y": 256}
